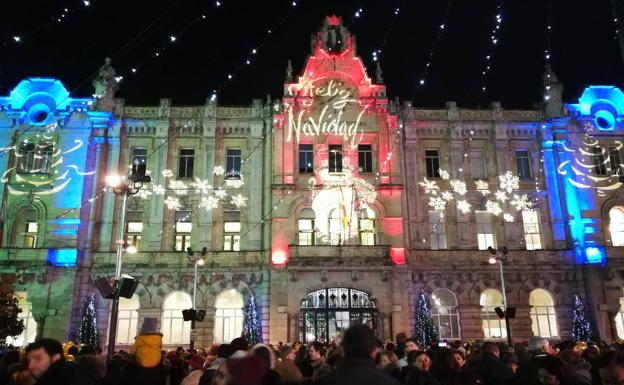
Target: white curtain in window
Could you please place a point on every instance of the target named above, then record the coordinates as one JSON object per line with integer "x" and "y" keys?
{"x": 228, "y": 316}
{"x": 543, "y": 315}
{"x": 174, "y": 329}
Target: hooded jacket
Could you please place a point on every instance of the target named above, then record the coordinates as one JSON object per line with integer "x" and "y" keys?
{"x": 147, "y": 348}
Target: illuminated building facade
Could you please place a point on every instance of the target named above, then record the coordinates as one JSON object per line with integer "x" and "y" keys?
{"x": 332, "y": 206}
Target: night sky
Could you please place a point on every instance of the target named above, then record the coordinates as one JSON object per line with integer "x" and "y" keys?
{"x": 584, "y": 50}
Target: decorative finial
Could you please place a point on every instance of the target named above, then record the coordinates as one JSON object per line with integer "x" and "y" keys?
{"x": 289, "y": 71}
{"x": 378, "y": 73}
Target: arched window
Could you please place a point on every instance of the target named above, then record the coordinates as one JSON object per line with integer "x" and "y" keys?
{"x": 444, "y": 313}
{"x": 616, "y": 225}
{"x": 619, "y": 320}
{"x": 307, "y": 232}
{"x": 25, "y": 228}
{"x": 175, "y": 331}
{"x": 326, "y": 313}
{"x": 493, "y": 327}
{"x": 543, "y": 316}
{"x": 335, "y": 227}
{"x": 127, "y": 320}
{"x": 228, "y": 316}
{"x": 366, "y": 226}
{"x": 30, "y": 326}
{"x": 532, "y": 237}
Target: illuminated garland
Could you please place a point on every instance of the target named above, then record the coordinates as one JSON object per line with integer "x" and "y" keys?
{"x": 494, "y": 37}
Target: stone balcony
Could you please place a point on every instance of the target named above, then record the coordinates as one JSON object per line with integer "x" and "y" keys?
{"x": 339, "y": 255}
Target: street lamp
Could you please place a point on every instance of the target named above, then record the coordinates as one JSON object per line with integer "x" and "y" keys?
{"x": 193, "y": 314}
{"x": 508, "y": 312}
{"x": 120, "y": 186}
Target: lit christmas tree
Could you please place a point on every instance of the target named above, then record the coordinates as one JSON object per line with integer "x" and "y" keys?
{"x": 424, "y": 330}
{"x": 582, "y": 329}
{"x": 252, "y": 330}
{"x": 87, "y": 333}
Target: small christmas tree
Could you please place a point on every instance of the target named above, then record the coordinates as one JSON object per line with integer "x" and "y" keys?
{"x": 424, "y": 330}
{"x": 582, "y": 329}
{"x": 87, "y": 333}
{"x": 10, "y": 323}
{"x": 252, "y": 330}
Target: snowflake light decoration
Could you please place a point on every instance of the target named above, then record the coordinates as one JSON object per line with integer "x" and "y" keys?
{"x": 437, "y": 203}
{"x": 173, "y": 203}
{"x": 521, "y": 202}
{"x": 447, "y": 196}
{"x": 209, "y": 202}
{"x": 220, "y": 193}
{"x": 178, "y": 187}
{"x": 509, "y": 182}
{"x": 493, "y": 208}
{"x": 463, "y": 207}
{"x": 482, "y": 186}
{"x": 430, "y": 186}
{"x": 501, "y": 196}
{"x": 239, "y": 201}
{"x": 459, "y": 186}
{"x": 444, "y": 174}
{"x": 235, "y": 182}
{"x": 508, "y": 217}
{"x": 144, "y": 193}
{"x": 218, "y": 170}
{"x": 158, "y": 189}
{"x": 202, "y": 186}
{"x": 167, "y": 173}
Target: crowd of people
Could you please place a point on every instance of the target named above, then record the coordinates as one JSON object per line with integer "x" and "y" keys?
{"x": 357, "y": 358}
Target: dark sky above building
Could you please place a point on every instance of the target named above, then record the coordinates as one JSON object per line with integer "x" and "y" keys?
{"x": 584, "y": 50}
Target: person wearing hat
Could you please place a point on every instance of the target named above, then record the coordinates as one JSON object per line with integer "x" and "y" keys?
{"x": 147, "y": 344}
{"x": 286, "y": 368}
{"x": 196, "y": 365}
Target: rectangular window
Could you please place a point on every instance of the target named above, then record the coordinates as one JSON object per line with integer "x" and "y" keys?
{"x": 306, "y": 232}
{"x": 183, "y": 229}
{"x": 26, "y": 157}
{"x": 335, "y": 158}
{"x": 432, "y": 163}
{"x": 523, "y": 164}
{"x": 477, "y": 163}
{"x": 600, "y": 163}
{"x": 437, "y": 230}
{"x": 615, "y": 160}
{"x": 231, "y": 230}
{"x": 134, "y": 227}
{"x": 186, "y": 162}
{"x": 532, "y": 238}
{"x": 485, "y": 233}
{"x": 233, "y": 164}
{"x": 139, "y": 155}
{"x": 30, "y": 235}
{"x": 367, "y": 232}
{"x": 306, "y": 158}
{"x": 365, "y": 158}
{"x": 335, "y": 227}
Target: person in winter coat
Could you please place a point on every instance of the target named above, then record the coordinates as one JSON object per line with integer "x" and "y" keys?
{"x": 419, "y": 369}
{"x": 265, "y": 353}
{"x": 148, "y": 344}
{"x": 48, "y": 366}
{"x": 359, "y": 346}
{"x": 492, "y": 370}
{"x": 286, "y": 368}
{"x": 317, "y": 360}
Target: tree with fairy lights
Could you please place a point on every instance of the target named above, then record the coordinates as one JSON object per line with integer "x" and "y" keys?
{"x": 252, "y": 329}
{"x": 11, "y": 325}
{"x": 424, "y": 330}
{"x": 87, "y": 333}
{"x": 582, "y": 329}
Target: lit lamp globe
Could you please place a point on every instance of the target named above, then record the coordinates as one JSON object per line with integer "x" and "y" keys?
{"x": 113, "y": 180}
{"x": 200, "y": 262}
{"x": 492, "y": 260}
{"x": 131, "y": 249}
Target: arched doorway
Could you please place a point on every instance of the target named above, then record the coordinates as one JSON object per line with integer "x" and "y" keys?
{"x": 325, "y": 314}
{"x": 228, "y": 316}
{"x": 127, "y": 320}
{"x": 543, "y": 316}
{"x": 174, "y": 329}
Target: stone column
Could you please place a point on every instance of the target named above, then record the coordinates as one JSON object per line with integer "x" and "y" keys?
{"x": 470, "y": 322}
{"x": 521, "y": 326}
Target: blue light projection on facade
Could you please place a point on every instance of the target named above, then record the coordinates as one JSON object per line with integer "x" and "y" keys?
{"x": 604, "y": 103}
{"x": 62, "y": 257}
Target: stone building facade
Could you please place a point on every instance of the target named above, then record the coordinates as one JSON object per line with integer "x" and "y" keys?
{"x": 318, "y": 205}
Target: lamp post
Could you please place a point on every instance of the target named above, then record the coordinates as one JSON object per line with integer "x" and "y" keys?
{"x": 121, "y": 187}
{"x": 193, "y": 313}
{"x": 505, "y": 312}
